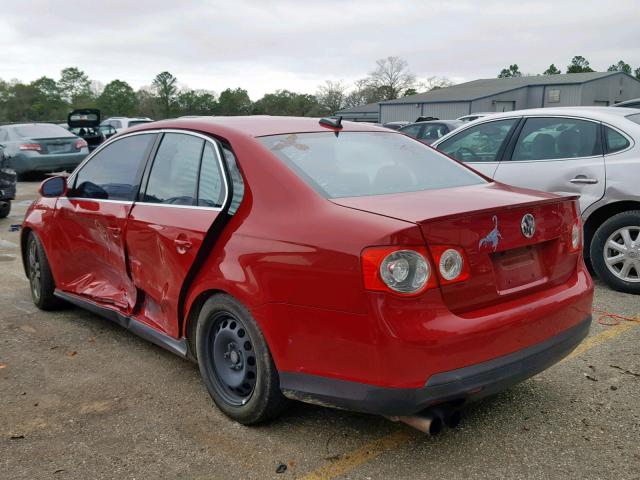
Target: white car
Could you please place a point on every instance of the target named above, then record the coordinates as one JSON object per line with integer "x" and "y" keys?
{"x": 593, "y": 152}
{"x": 122, "y": 123}
{"x": 474, "y": 116}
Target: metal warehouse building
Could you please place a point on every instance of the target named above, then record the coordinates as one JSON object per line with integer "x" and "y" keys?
{"x": 504, "y": 94}
{"x": 363, "y": 113}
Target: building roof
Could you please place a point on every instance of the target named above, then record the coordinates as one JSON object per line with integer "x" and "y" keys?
{"x": 485, "y": 87}
{"x": 368, "y": 108}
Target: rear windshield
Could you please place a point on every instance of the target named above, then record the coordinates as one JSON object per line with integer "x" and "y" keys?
{"x": 634, "y": 118}
{"x": 42, "y": 130}
{"x": 354, "y": 164}
{"x": 137, "y": 122}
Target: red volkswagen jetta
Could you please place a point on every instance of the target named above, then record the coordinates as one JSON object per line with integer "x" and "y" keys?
{"x": 342, "y": 264}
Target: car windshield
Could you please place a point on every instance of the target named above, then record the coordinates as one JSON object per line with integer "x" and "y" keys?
{"x": 635, "y": 118}
{"x": 352, "y": 164}
{"x": 133, "y": 123}
{"x": 41, "y": 130}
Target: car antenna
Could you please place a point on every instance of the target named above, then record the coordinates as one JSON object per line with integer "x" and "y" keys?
{"x": 332, "y": 122}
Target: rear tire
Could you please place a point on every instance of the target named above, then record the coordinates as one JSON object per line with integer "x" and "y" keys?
{"x": 235, "y": 362}
{"x": 615, "y": 252}
{"x": 41, "y": 281}
{"x": 5, "y": 208}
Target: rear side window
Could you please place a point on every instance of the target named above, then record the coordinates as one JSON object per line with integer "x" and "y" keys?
{"x": 615, "y": 140}
{"x": 174, "y": 173}
{"x": 354, "y": 164}
{"x": 556, "y": 138}
{"x": 411, "y": 130}
{"x": 434, "y": 131}
{"x": 480, "y": 143}
{"x": 114, "y": 172}
{"x": 211, "y": 189}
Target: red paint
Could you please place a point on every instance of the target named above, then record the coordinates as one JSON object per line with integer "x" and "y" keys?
{"x": 294, "y": 259}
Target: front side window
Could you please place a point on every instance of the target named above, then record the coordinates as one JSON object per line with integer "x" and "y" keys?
{"x": 116, "y": 123}
{"x": 354, "y": 164}
{"x": 412, "y": 130}
{"x": 480, "y": 143}
{"x": 615, "y": 140}
{"x": 114, "y": 172}
{"x": 174, "y": 173}
{"x": 433, "y": 131}
{"x": 554, "y": 138}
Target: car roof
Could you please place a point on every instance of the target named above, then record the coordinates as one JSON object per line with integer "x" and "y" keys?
{"x": 598, "y": 113}
{"x": 426, "y": 122}
{"x": 256, "y": 125}
{"x": 626, "y": 102}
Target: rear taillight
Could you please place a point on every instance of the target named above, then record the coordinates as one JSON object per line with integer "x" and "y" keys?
{"x": 452, "y": 264}
{"x": 399, "y": 270}
{"x": 575, "y": 237}
{"x": 31, "y": 146}
{"x": 80, "y": 143}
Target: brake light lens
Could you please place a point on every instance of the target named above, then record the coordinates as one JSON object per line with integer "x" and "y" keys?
{"x": 452, "y": 264}
{"x": 400, "y": 270}
{"x": 31, "y": 146}
{"x": 576, "y": 236}
{"x": 80, "y": 143}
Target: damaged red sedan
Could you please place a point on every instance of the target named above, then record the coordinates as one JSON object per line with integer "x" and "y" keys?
{"x": 341, "y": 264}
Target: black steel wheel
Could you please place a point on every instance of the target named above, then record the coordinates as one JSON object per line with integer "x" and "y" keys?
{"x": 235, "y": 362}
{"x": 5, "y": 208}
{"x": 233, "y": 359}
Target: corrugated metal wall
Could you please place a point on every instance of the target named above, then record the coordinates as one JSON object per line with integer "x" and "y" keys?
{"x": 614, "y": 89}
{"x": 411, "y": 111}
{"x": 519, "y": 97}
{"x": 567, "y": 95}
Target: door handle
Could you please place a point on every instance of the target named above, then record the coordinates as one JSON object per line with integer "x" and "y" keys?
{"x": 584, "y": 179}
{"x": 182, "y": 245}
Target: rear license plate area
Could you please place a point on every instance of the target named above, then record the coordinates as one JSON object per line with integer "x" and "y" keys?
{"x": 57, "y": 148}
{"x": 519, "y": 268}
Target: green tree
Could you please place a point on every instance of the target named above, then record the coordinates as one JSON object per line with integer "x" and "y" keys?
{"x": 621, "y": 66}
{"x": 147, "y": 103}
{"x": 75, "y": 87}
{"x": 636, "y": 72}
{"x": 165, "y": 86}
{"x": 196, "y": 102}
{"x": 284, "y": 102}
{"x": 579, "y": 64}
{"x": 363, "y": 93}
{"x": 552, "y": 70}
{"x": 19, "y": 103}
{"x": 47, "y": 103}
{"x": 512, "y": 71}
{"x": 117, "y": 98}
{"x": 233, "y": 102}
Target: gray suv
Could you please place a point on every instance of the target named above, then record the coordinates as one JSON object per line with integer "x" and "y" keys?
{"x": 592, "y": 152}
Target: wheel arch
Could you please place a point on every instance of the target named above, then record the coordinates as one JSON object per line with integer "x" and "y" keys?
{"x": 602, "y": 214}
{"x": 24, "y": 237}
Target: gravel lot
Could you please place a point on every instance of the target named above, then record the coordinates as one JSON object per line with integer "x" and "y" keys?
{"x": 81, "y": 398}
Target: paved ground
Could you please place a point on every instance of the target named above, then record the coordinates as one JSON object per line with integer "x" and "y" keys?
{"x": 81, "y": 398}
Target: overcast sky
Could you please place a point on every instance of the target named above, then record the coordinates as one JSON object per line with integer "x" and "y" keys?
{"x": 267, "y": 45}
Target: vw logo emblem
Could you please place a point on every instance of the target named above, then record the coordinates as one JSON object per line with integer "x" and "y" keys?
{"x": 528, "y": 225}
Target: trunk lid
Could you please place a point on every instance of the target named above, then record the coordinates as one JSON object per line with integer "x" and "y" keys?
{"x": 85, "y": 117}
{"x": 484, "y": 221}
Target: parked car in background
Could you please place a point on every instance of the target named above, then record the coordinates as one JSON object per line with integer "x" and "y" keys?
{"x": 41, "y": 147}
{"x": 430, "y": 131}
{"x": 108, "y": 131}
{"x": 446, "y": 286}
{"x": 593, "y": 152}
{"x": 396, "y": 125}
{"x": 8, "y": 179}
{"x": 634, "y": 103}
{"x": 474, "y": 116}
{"x": 85, "y": 123}
{"x": 122, "y": 123}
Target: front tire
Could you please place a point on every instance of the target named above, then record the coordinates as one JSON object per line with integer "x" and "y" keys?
{"x": 235, "y": 362}
{"x": 5, "y": 208}
{"x": 41, "y": 281}
{"x": 615, "y": 252}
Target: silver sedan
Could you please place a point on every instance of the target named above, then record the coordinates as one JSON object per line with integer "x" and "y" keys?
{"x": 592, "y": 152}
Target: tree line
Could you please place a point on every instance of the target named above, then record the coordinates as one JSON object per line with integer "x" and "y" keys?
{"x": 48, "y": 99}
{"x": 578, "y": 64}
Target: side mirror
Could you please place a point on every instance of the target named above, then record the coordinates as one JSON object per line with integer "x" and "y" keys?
{"x": 53, "y": 187}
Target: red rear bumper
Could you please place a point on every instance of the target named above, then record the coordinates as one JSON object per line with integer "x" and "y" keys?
{"x": 406, "y": 343}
